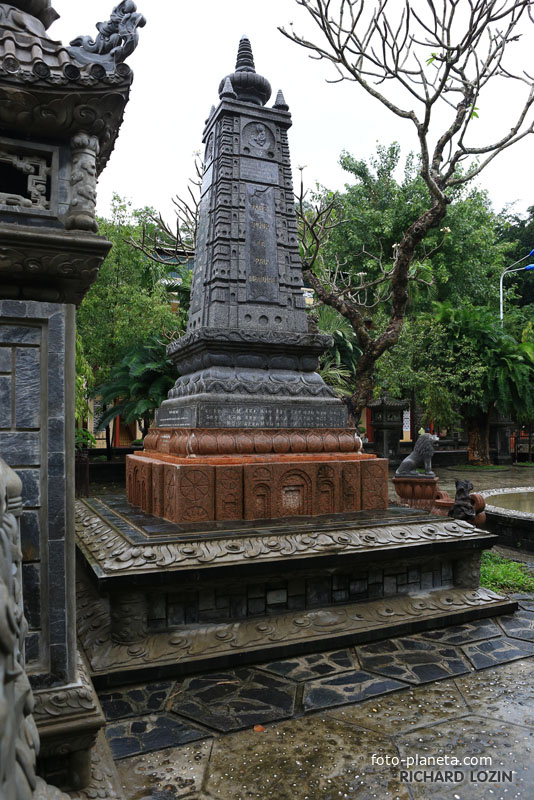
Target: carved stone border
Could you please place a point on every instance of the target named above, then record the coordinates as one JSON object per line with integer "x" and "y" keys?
{"x": 212, "y": 643}
{"x": 508, "y": 513}
{"x": 111, "y": 553}
{"x": 69, "y": 717}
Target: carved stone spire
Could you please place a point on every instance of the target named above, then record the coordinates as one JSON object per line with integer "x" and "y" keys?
{"x": 247, "y": 84}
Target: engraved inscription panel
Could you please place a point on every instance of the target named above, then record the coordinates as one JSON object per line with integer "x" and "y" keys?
{"x": 261, "y": 251}
{"x": 275, "y": 416}
{"x": 258, "y": 171}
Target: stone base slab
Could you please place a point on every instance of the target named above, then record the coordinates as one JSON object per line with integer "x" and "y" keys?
{"x": 200, "y": 647}
{"x": 252, "y": 487}
{"x": 68, "y": 720}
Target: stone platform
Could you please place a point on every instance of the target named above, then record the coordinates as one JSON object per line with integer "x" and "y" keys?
{"x": 157, "y": 599}
{"x": 200, "y": 475}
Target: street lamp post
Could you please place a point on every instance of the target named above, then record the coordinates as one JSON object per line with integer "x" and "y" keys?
{"x": 506, "y": 272}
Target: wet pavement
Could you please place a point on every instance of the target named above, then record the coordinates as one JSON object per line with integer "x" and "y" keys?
{"x": 442, "y": 714}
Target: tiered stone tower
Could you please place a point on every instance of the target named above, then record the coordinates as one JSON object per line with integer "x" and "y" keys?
{"x": 60, "y": 112}
{"x": 248, "y": 386}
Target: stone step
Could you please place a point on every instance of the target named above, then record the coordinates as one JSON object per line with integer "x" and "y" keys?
{"x": 200, "y": 647}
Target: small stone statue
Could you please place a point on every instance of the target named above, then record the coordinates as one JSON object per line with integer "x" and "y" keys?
{"x": 421, "y": 456}
{"x": 463, "y": 507}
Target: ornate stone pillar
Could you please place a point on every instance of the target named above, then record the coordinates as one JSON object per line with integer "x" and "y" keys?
{"x": 82, "y": 209}
{"x": 60, "y": 111}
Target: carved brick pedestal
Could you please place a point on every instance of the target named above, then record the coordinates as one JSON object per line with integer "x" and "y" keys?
{"x": 221, "y": 475}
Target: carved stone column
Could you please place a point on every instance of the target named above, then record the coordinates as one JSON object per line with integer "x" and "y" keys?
{"x": 81, "y": 214}
{"x": 128, "y": 617}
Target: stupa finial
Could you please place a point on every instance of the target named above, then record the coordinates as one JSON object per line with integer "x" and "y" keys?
{"x": 245, "y": 59}
{"x": 248, "y": 86}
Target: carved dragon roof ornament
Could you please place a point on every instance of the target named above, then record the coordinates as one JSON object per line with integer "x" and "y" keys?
{"x": 47, "y": 89}
{"x": 117, "y": 38}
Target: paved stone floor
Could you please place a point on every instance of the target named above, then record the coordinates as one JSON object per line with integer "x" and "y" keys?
{"x": 322, "y": 726}
{"x": 443, "y": 714}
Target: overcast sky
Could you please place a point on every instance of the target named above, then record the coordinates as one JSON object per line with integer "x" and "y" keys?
{"x": 187, "y": 47}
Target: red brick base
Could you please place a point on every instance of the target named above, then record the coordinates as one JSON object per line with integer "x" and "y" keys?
{"x": 253, "y": 487}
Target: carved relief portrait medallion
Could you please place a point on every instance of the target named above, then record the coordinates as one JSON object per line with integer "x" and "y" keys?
{"x": 258, "y": 139}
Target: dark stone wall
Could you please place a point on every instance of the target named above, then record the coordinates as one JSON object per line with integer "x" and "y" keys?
{"x": 36, "y": 398}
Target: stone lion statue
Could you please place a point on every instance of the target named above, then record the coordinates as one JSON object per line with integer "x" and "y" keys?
{"x": 421, "y": 456}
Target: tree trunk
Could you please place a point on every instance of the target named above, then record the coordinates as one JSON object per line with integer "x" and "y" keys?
{"x": 478, "y": 439}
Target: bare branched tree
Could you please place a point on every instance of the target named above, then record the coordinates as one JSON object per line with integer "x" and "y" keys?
{"x": 165, "y": 244}
{"x": 431, "y": 66}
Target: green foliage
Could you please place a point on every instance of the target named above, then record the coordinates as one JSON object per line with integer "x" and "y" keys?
{"x": 501, "y": 574}
{"x": 83, "y": 382}
{"x": 83, "y": 439}
{"x": 140, "y": 382}
{"x": 129, "y": 302}
{"x": 459, "y": 362}
{"x": 337, "y": 366}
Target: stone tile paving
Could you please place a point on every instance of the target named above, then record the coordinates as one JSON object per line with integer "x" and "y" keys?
{"x": 169, "y": 773}
{"x": 235, "y": 699}
{"x": 135, "y": 700}
{"x": 341, "y": 753}
{"x": 497, "y": 651}
{"x": 519, "y": 625}
{"x": 144, "y": 734}
{"x": 303, "y": 668}
{"x": 508, "y": 747}
{"x": 415, "y": 707}
{"x": 462, "y": 634}
{"x": 412, "y": 659}
{"x": 505, "y": 692}
{"x": 349, "y": 687}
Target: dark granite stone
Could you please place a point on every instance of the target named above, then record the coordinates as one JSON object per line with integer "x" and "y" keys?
{"x": 235, "y": 699}
{"x": 56, "y": 381}
{"x": 6, "y": 420}
{"x": 20, "y": 448}
{"x": 27, "y": 387}
{"x": 56, "y": 508}
{"x": 31, "y": 495}
{"x": 31, "y": 583}
{"x": 56, "y": 465}
{"x": 6, "y": 359}
{"x": 56, "y": 333}
{"x": 134, "y": 701}
{"x": 497, "y": 651}
{"x": 30, "y": 535}
{"x": 32, "y": 645}
{"x": 462, "y": 634}
{"x": 411, "y": 659}
{"x": 519, "y": 626}
{"x": 349, "y": 687}
{"x": 20, "y": 334}
{"x": 304, "y": 668}
{"x": 145, "y": 734}
{"x": 256, "y": 605}
{"x": 318, "y": 592}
